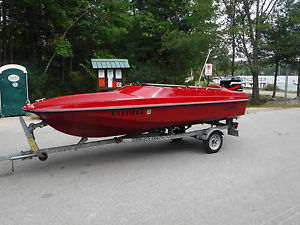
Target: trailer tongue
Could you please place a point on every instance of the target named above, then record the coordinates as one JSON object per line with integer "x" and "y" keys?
{"x": 212, "y": 138}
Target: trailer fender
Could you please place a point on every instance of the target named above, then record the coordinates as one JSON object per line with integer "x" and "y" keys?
{"x": 207, "y": 132}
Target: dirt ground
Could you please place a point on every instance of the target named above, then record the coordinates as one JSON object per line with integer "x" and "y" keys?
{"x": 255, "y": 110}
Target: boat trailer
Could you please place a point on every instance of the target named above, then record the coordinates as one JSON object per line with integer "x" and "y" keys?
{"x": 212, "y": 138}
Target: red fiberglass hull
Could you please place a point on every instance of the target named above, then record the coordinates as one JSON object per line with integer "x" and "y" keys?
{"x": 134, "y": 109}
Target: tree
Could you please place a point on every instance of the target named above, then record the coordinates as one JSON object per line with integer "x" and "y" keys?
{"x": 55, "y": 40}
{"x": 251, "y": 17}
{"x": 283, "y": 37}
{"x": 169, "y": 38}
{"x": 228, "y": 8}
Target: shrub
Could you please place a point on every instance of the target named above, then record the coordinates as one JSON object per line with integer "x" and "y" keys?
{"x": 270, "y": 87}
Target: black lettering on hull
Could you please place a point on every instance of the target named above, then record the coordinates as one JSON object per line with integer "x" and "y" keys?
{"x": 126, "y": 113}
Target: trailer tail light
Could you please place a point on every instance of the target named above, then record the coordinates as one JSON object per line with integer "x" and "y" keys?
{"x": 236, "y": 125}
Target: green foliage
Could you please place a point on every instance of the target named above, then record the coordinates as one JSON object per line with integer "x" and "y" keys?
{"x": 36, "y": 84}
{"x": 270, "y": 87}
{"x": 63, "y": 47}
{"x": 283, "y": 37}
{"x": 148, "y": 73}
{"x": 242, "y": 68}
{"x": 168, "y": 39}
{"x": 82, "y": 82}
{"x": 163, "y": 40}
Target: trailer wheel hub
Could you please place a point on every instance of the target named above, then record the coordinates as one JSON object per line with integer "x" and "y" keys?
{"x": 214, "y": 142}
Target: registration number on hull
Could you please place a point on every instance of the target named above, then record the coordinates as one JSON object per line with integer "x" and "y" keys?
{"x": 131, "y": 112}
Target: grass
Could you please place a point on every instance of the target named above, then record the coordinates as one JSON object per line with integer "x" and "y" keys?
{"x": 273, "y": 106}
{"x": 267, "y": 102}
{"x": 277, "y": 90}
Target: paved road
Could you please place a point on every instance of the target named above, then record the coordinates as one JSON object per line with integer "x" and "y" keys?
{"x": 278, "y": 94}
{"x": 253, "y": 180}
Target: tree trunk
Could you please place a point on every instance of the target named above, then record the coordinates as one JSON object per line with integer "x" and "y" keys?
{"x": 11, "y": 56}
{"x": 255, "y": 65}
{"x": 255, "y": 69}
{"x": 255, "y": 89}
{"x": 233, "y": 56}
{"x": 71, "y": 64}
{"x": 233, "y": 41}
{"x": 275, "y": 79}
{"x": 298, "y": 84}
{"x": 63, "y": 68}
{"x": 4, "y": 32}
{"x": 1, "y": 20}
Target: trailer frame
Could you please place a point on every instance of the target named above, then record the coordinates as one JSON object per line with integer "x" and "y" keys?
{"x": 161, "y": 134}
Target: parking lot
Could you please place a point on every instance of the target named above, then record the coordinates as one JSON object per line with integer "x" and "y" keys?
{"x": 253, "y": 180}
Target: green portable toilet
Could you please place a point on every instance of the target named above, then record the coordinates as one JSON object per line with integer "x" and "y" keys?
{"x": 13, "y": 89}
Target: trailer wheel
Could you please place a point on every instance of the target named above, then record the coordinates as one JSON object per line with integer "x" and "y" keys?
{"x": 178, "y": 130}
{"x": 43, "y": 157}
{"x": 213, "y": 143}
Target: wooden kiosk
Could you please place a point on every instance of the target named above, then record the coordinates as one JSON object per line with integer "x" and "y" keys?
{"x": 110, "y": 72}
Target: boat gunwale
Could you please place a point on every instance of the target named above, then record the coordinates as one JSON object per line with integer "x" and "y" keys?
{"x": 134, "y": 106}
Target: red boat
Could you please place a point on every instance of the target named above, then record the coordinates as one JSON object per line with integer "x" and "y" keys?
{"x": 138, "y": 108}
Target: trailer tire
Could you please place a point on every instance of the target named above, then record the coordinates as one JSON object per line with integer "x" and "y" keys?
{"x": 214, "y": 142}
